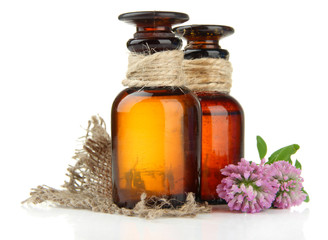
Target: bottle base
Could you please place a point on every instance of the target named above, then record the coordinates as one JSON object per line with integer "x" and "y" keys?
{"x": 163, "y": 202}
{"x": 218, "y": 201}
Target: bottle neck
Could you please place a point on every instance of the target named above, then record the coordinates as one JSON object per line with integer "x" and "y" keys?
{"x": 144, "y": 32}
{"x": 204, "y": 48}
{"x": 202, "y": 44}
{"x": 206, "y": 53}
{"x": 151, "y": 39}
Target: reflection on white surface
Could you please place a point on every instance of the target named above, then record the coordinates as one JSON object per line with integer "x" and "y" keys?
{"x": 269, "y": 224}
{"x": 221, "y": 224}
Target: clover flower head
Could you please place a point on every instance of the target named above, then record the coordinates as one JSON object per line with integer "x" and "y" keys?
{"x": 290, "y": 185}
{"x": 248, "y": 187}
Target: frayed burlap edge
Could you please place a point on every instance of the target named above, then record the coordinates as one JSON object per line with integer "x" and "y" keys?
{"x": 89, "y": 185}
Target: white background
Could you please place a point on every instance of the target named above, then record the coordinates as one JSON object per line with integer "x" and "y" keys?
{"x": 62, "y": 61}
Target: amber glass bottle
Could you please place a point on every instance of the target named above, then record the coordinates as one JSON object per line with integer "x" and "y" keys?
{"x": 222, "y": 115}
{"x": 155, "y": 130}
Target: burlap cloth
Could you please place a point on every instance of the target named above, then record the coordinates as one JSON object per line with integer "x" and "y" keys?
{"x": 89, "y": 185}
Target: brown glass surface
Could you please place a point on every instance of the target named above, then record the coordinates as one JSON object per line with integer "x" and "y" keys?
{"x": 148, "y": 17}
{"x": 203, "y": 40}
{"x": 155, "y": 131}
{"x": 156, "y": 144}
{"x": 154, "y": 30}
{"x": 222, "y": 115}
{"x": 222, "y": 139}
{"x": 203, "y": 32}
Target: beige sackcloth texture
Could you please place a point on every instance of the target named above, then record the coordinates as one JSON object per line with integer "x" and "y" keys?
{"x": 89, "y": 185}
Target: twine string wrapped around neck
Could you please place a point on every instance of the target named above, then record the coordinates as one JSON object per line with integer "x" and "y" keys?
{"x": 154, "y": 70}
{"x": 168, "y": 68}
{"x": 207, "y": 74}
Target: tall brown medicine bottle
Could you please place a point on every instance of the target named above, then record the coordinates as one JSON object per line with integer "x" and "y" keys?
{"x": 155, "y": 130}
{"x": 222, "y": 115}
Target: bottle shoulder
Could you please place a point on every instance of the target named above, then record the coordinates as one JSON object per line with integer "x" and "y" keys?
{"x": 156, "y": 92}
{"x": 133, "y": 95}
{"x": 218, "y": 101}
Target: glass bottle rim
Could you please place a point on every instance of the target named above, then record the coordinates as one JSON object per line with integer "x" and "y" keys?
{"x": 147, "y": 16}
{"x": 202, "y": 30}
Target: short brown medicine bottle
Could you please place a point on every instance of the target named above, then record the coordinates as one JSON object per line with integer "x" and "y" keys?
{"x": 222, "y": 115}
{"x": 155, "y": 129}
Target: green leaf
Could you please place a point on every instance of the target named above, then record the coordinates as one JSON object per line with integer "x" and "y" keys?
{"x": 261, "y": 147}
{"x": 298, "y": 165}
{"x": 283, "y": 154}
{"x": 307, "y": 199}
